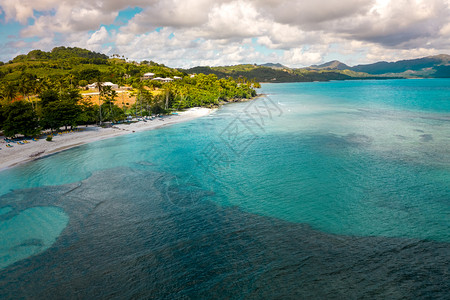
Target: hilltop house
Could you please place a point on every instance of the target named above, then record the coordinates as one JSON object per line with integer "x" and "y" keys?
{"x": 148, "y": 76}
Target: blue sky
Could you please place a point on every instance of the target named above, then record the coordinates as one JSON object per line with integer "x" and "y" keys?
{"x": 225, "y": 32}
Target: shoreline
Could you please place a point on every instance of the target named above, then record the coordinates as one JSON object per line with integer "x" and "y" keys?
{"x": 20, "y": 154}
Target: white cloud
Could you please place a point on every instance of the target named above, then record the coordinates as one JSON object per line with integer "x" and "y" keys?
{"x": 229, "y": 31}
{"x": 99, "y": 37}
{"x": 171, "y": 13}
{"x": 302, "y": 57}
{"x": 68, "y": 19}
{"x": 23, "y": 10}
{"x": 311, "y": 13}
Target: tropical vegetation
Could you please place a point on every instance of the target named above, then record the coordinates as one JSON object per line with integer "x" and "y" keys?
{"x": 46, "y": 90}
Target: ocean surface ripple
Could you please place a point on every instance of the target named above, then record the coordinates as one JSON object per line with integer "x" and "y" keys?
{"x": 315, "y": 191}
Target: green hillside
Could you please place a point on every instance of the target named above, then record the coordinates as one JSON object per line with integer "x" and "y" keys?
{"x": 76, "y": 64}
{"x": 415, "y": 65}
{"x": 42, "y": 91}
{"x": 275, "y": 73}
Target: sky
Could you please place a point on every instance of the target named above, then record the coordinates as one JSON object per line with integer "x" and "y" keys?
{"x": 187, "y": 33}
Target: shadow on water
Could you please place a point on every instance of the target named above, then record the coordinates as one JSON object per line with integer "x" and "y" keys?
{"x": 132, "y": 234}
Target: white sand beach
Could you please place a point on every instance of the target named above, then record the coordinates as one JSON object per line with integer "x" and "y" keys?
{"x": 19, "y": 153}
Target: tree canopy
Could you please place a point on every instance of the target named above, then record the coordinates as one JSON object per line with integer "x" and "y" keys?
{"x": 45, "y": 87}
{"x": 19, "y": 118}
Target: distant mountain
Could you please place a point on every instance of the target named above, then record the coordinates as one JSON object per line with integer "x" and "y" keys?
{"x": 401, "y": 66}
{"x": 275, "y": 73}
{"x": 274, "y": 66}
{"x": 430, "y": 66}
{"x": 332, "y": 65}
{"x": 427, "y": 67}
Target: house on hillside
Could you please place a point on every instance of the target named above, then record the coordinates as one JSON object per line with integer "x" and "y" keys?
{"x": 112, "y": 85}
{"x": 177, "y": 77}
{"x": 93, "y": 86}
{"x": 148, "y": 76}
{"x": 163, "y": 80}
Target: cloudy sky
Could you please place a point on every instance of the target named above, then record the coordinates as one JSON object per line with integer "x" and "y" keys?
{"x": 183, "y": 33}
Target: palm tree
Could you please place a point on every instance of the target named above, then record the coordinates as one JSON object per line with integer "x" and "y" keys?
{"x": 140, "y": 88}
{"x": 71, "y": 77}
{"x": 43, "y": 84}
{"x": 167, "y": 90}
{"x": 38, "y": 87}
{"x": 60, "y": 83}
{"x": 146, "y": 99}
{"x": 27, "y": 83}
{"x": 9, "y": 91}
{"x": 120, "y": 83}
{"x": 100, "y": 94}
{"x": 111, "y": 98}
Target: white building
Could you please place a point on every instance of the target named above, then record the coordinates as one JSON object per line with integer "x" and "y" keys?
{"x": 112, "y": 85}
{"x": 148, "y": 76}
{"x": 162, "y": 79}
{"x": 93, "y": 86}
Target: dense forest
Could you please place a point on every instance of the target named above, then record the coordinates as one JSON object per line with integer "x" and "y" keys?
{"x": 44, "y": 90}
{"x": 268, "y": 74}
{"x": 263, "y": 73}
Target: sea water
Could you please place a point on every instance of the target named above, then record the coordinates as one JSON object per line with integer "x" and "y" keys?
{"x": 315, "y": 190}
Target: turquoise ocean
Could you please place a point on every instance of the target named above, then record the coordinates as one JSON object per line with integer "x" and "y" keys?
{"x": 313, "y": 190}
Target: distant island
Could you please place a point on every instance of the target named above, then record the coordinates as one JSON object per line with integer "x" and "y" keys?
{"x": 427, "y": 67}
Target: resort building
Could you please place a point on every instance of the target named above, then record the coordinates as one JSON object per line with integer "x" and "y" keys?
{"x": 148, "y": 76}
{"x": 112, "y": 85}
{"x": 93, "y": 86}
{"x": 163, "y": 80}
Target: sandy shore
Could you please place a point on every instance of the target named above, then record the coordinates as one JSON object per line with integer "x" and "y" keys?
{"x": 18, "y": 154}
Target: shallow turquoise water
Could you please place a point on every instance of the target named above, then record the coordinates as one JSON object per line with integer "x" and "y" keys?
{"x": 357, "y": 157}
{"x": 30, "y": 232}
{"x": 351, "y": 159}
